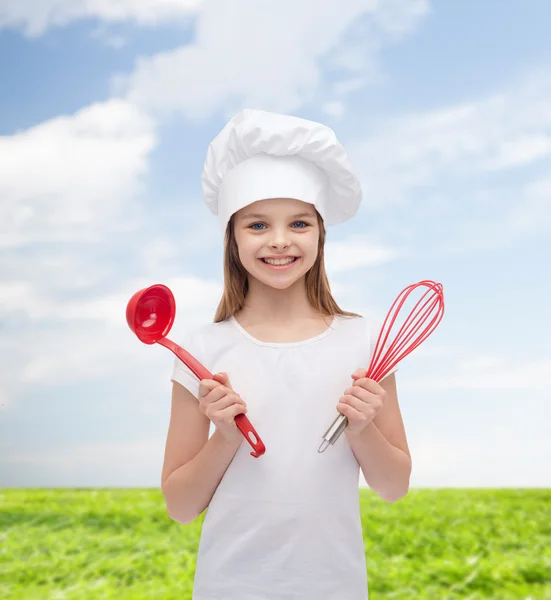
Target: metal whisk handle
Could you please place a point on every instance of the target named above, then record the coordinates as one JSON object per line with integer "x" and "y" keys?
{"x": 333, "y": 433}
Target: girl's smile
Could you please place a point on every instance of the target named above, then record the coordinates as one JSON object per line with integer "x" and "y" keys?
{"x": 280, "y": 267}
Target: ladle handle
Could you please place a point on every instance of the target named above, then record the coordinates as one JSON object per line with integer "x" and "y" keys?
{"x": 243, "y": 424}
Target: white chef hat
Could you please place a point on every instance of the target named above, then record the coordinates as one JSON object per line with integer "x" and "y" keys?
{"x": 260, "y": 155}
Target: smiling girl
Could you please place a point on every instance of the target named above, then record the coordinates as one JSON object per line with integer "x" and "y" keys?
{"x": 285, "y": 525}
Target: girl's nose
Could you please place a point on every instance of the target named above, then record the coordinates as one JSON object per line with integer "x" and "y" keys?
{"x": 279, "y": 236}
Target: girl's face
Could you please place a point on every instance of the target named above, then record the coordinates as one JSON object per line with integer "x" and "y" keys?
{"x": 277, "y": 228}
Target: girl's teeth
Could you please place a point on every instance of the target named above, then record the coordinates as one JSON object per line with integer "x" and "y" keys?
{"x": 279, "y": 262}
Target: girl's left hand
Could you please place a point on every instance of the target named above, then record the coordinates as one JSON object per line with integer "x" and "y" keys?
{"x": 361, "y": 402}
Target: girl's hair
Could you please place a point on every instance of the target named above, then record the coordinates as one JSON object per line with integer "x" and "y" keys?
{"x": 236, "y": 283}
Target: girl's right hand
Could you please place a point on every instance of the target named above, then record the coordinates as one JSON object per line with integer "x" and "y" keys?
{"x": 219, "y": 402}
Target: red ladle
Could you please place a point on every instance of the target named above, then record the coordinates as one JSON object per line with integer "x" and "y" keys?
{"x": 150, "y": 314}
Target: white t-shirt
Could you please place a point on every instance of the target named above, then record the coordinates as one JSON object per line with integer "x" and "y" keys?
{"x": 286, "y": 525}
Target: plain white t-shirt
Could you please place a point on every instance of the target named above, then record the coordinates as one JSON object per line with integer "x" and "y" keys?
{"x": 285, "y": 526}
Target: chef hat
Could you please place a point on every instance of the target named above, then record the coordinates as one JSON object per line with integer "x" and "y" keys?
{"x": 260, "y": 155}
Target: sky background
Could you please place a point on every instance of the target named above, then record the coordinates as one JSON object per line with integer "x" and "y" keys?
{"x": 106, "y": 112}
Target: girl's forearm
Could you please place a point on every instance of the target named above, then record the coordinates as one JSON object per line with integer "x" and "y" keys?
{"x": 188, "y": 490}
{"x": 386, "y": 469}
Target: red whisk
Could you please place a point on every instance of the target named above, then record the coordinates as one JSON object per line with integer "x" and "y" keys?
{"x": 421, "y": 322}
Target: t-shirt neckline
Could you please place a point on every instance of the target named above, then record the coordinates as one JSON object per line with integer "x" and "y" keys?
{"x": 258, "y": 342}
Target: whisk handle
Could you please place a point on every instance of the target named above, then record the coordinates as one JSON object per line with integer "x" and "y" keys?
{"x": 334, "y": 431}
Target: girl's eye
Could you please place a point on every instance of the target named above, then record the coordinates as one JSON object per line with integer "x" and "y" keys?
{"x": 303, "y": 222}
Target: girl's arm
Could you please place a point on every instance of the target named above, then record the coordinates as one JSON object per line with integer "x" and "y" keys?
{"x": 193, "y": 464}
{"x": 382, "y": 450}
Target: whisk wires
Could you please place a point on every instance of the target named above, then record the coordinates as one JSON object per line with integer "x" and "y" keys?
{"x": 433, "y": 305}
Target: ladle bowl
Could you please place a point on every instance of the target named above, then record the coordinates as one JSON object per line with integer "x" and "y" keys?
{"x": 150, "y": 313}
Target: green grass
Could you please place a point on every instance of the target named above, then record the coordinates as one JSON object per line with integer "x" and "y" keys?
{"x": 120, "y": 544}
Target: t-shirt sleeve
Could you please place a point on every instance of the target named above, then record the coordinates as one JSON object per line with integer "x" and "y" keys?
{"x": 181, "y": 373}
{"x": 373, "y": 331}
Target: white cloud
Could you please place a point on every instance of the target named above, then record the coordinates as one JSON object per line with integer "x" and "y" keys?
{"x": 335, "y": 108}
{"x": 356, "y": 253}
{"x": 489, "y": 373}
{"x": 533, "y": 212}
{"x": 498, "y": 216}
{"x": 505, "y": 130}
{"x": 523, "y": 150}
{"x": 469, "y": 177}
{"x": 481, "y": 363}
{"x": 245, "y": 55}
{"x": 3, "y": 399}
{"x": 15, "y": 295}
{"x": 36, "y": 16}
{"x": 87, "y": 352}
{"x": 488, "y": 460}
{"x": 66, "y": 187}
{"x": 71, "y": 176}
{"x": 91, "y": 454}
{"x": 108, "y": 39}
{"x": 65, "y": 184}
{"x": 113, "y": 464}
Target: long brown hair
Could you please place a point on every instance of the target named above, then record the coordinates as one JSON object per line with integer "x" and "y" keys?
{"x": 236, "y": 282}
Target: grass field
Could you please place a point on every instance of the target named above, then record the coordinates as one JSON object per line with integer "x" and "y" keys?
{"x": 119, "y": 544}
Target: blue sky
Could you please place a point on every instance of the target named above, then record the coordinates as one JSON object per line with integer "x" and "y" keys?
{"x": 106, "y": 114}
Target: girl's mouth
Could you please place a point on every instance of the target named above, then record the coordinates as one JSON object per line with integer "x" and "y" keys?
{"x": 281, "y": 267}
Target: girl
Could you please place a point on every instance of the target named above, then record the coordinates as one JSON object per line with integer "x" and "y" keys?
{"x": 285, "y": 525}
